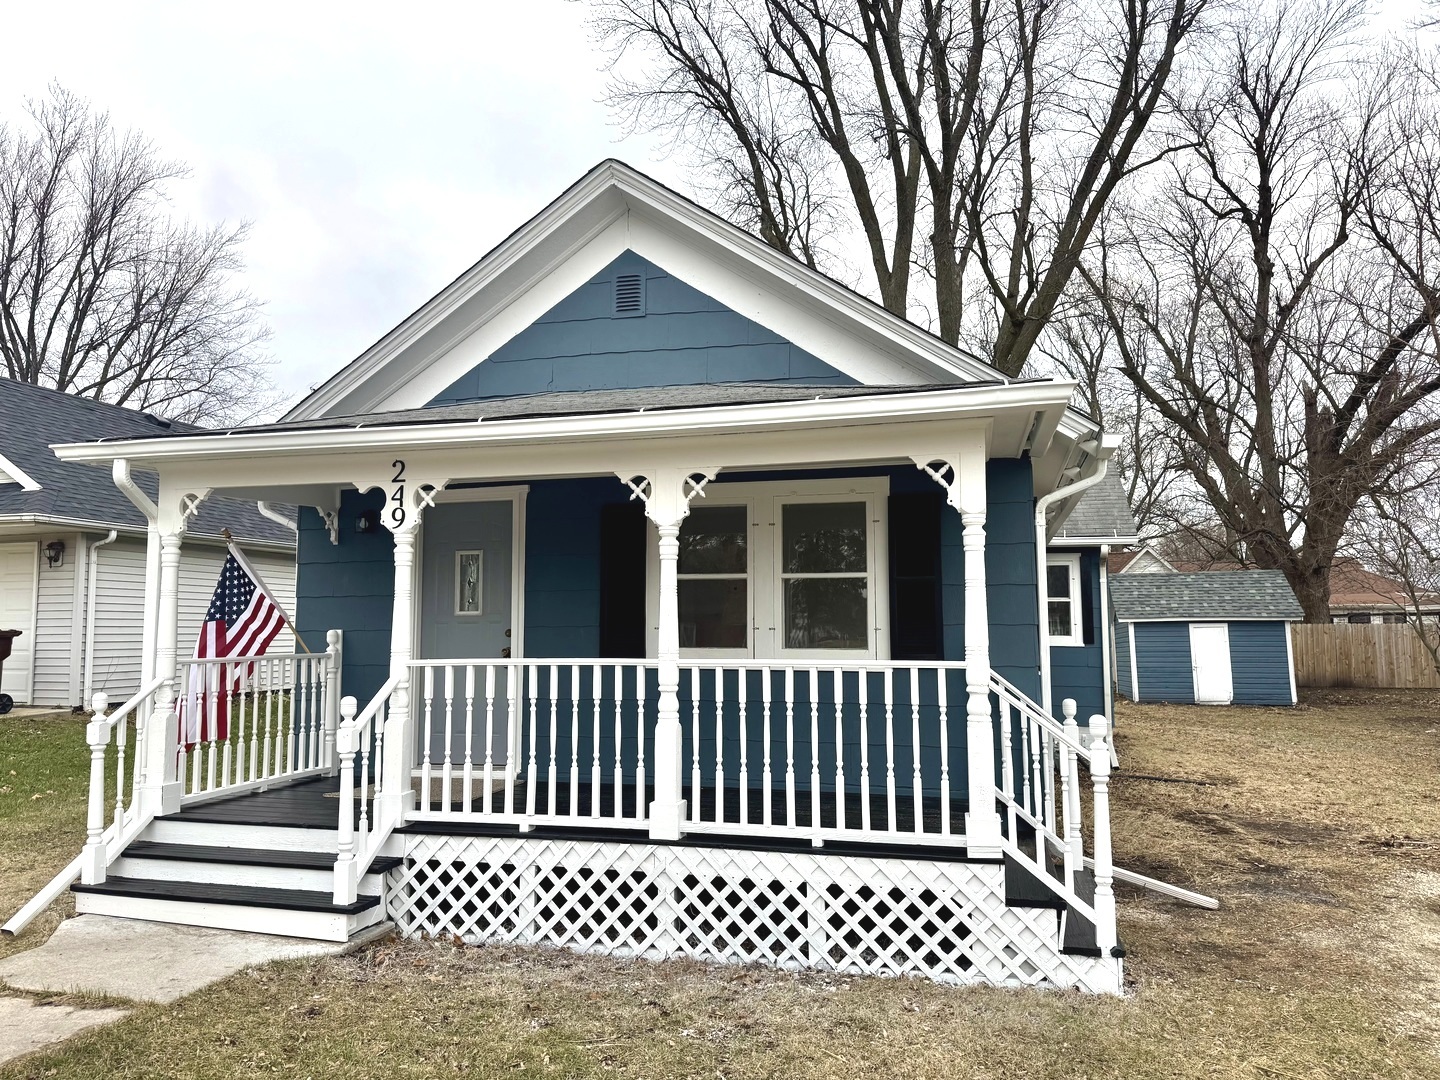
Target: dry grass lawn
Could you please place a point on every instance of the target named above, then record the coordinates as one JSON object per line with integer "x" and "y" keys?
{"x": 1318, "y": 828}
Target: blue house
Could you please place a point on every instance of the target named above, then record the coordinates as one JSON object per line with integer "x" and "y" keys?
{"x": 1216, "y": 638}
{"x": 663, "y": 597}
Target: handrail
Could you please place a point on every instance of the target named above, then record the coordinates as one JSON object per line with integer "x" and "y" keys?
{"x": 797, "y": 663}
{"x": 120, "y": 713}
{"x": 357, "y": 843}
{"x": 1034, "y": 712}
{"x": 252, "y": 659}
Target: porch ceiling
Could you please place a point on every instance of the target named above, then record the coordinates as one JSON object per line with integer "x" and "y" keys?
{"x": 829, "y": 426}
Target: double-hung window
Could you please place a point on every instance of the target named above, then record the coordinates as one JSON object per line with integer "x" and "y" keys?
{"x": 1062, "y": 598}
{"x": 790, "y": 570}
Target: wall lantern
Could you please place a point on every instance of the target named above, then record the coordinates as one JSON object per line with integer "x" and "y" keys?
{"x": 367, "y": 521}
{"x": 55, "y": 552}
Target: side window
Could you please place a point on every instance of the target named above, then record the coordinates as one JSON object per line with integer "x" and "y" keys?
{"x": 825, "y": 575}
{"x": 1062, "y": 591}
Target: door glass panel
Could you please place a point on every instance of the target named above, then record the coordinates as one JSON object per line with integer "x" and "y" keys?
{"x": 713, "y": 540}
{"x": 824, "y": 538}
{"x": 468, "y": 569}
{"x": 714, "y": 613}
{"x": 826, "y": 613}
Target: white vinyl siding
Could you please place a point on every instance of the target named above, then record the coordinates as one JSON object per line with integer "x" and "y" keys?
{"x": 54, "y": 625}
{"x": 119, "y": 614}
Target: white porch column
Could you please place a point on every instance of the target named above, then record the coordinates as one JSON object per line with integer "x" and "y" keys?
{"x": 666, "y": 493}
{"x": 962, "y": 473}
{"x": 408, "y": 495}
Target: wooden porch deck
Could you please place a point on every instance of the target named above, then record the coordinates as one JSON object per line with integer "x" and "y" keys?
{"x": 314, "y": 804}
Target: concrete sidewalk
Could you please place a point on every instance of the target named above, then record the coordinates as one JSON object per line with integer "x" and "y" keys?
{"x": 139, "y": 961}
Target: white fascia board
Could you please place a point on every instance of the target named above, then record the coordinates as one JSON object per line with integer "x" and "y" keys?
{"x": 614, "y": 208}
{"x": 49, "y": 523}
{"x": 961, "y": 404}
{"x": 11, "y": 472}
{"x": 1090, "y": 541}
{"x": 1213, "y": 619}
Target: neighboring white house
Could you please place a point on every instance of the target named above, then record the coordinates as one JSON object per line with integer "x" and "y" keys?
{"x": 72, "y": 552}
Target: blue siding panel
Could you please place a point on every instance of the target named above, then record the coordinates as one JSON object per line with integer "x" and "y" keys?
{"x": 684, "y": 337}
{"x": 1078, "y": 671}
{"x": 1260, "y": 663}
{"x": 1162, "y": 656}
{"x": 348, "y": 586}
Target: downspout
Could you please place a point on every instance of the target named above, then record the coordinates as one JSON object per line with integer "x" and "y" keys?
{"x": 1101, "y": 454}
{"x": 266, "y": 511}
{"x": 90, "y": 615}
{"x": 1107, "y": 651}
{"x": 120, "y": 473}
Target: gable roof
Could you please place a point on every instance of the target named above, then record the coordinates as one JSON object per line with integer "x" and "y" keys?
{"x": 1236, "y": 595}
{"x": 612, "y": 209}
{"x": 1354, "y": 588}
{"x": 1101, "y": 515}
{"x": 32, "y": 418}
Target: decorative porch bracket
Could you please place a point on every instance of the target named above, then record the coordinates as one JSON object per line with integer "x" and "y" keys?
{"x": 407, "y": 497}
{"x": 961, "y": 472}
{"x": 667, "y": 493}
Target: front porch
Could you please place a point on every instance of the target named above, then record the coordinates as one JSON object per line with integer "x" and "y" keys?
{"x": 799, "y": 751}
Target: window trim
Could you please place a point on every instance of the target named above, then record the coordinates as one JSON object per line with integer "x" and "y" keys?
{"x": 1076, "y": 637}
{"x": 763, "y": 499}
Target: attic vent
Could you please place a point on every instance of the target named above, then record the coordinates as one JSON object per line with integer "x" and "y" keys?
{"x": 629, "y": 295}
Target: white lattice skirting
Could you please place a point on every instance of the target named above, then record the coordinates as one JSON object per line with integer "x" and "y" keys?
{"x": 851, "y": 914}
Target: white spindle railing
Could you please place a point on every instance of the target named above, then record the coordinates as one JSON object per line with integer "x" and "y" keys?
{"x": 118, "y": 771}
{"x": 360, "y": 749}
{"x": 534, "y": 742}
{"x": 860, "y": 751}
{"x": 249, "y": 720}
{"x": 1046, "y": 755}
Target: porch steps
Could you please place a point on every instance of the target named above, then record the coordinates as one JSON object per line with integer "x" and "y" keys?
{"x": 258, "y": 863}
{"x": 285, "y": 912}
{"x": 1024, "y": 889}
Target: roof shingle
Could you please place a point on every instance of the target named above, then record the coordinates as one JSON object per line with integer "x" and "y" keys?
{"x": 1238, "y": 594}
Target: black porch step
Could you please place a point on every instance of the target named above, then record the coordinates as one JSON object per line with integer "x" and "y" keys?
{"x": 1024, "y": 889}
{"x": 233, "y": 895}
{"x": 287, "y": 860}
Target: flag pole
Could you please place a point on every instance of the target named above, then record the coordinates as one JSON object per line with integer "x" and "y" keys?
{"x": 240, "y": 558}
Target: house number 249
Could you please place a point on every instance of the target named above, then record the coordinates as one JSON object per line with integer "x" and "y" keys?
{"x": 397, "y": 509}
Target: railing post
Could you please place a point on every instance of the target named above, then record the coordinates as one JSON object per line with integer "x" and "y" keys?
{"x": 1106, "y": 934}
{"x": 333, "y": 659}
{"x": 97, "y": 735}
{"x": 347, "y": 881}
{"x": 163, "y": 784}
{"x": 1070, "y": 794}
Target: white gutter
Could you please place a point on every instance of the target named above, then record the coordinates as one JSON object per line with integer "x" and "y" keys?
{"x": 91, "y": 592}
{"x": 1107, "y": 651}
{"x": 120, "y": 473}
{"x": 1100, "y": 452}
{"x": 266, "y": 511}
{"x": 883, "y": 409}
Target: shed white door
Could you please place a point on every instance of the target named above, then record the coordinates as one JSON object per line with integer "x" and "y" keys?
{"x": 1210, "y": 661}
{"x": 18, "y": 564}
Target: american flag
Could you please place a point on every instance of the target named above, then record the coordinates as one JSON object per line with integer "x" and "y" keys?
{"x": 242, "y": 621}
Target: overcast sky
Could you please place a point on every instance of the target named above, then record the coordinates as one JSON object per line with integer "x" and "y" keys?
{"x": 377, "y": 150}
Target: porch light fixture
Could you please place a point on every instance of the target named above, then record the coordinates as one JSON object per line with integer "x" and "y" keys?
{"x": 55, "y": 552}
{"x": 367, "y": 521}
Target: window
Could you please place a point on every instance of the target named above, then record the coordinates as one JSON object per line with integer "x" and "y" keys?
{"x": 715, "y": 578}
{"x": 784, "y": 570}
{"x": 1062, "y": 594}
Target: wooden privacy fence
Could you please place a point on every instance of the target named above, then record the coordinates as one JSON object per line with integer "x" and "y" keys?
{"x": 1362, "y": 655}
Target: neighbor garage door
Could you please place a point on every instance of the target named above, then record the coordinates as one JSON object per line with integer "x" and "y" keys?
{"x": 17, "y": 612}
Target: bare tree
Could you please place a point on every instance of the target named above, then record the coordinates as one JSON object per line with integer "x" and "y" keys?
{"x": 101, "y": 293}
{"x": 1397, "y": 533}
{"x": 1260, "y": 308}
{"x": 977, "y": 144}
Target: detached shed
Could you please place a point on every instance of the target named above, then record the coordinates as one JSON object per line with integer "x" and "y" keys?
{"x": 1216, "y": 638}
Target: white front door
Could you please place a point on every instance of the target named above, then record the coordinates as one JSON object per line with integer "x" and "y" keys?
{"x": 18, "y": 564}
{"x": 1210, "y": 661}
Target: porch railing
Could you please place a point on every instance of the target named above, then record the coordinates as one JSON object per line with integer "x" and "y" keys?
{"x": 248, "y": 721}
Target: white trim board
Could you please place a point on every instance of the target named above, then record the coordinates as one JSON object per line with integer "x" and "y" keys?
{"x": 13, "y": 474}
{"x": 615, "y": 208}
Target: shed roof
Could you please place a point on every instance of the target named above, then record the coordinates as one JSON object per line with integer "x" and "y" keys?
{"x": 1236, "y": 595}
{"x": 1103, "y": 514}
{"x": 32, "y": 418}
